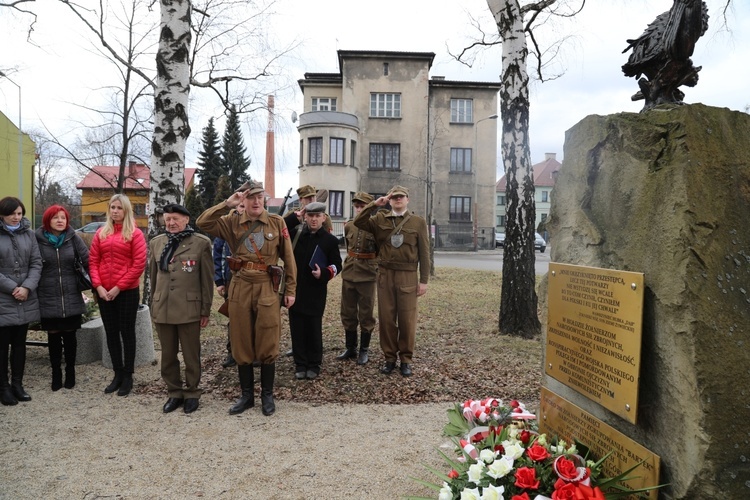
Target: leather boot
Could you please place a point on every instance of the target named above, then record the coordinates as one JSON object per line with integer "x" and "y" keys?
{"x": 351, "y": 347}
{"x": 267, "y": 374}
{"x": 229, "y": 361}
{"x": 247, "y": 399}
{"x": 127, "y": 384}
{"x": 17, "y": 365}
{"x": 363, "y": 346}
{"x": 115, "y": 384}
{"x": 6, "y": 395}
{"x": 71, "y": 346}
{"x": 54, "y": 344}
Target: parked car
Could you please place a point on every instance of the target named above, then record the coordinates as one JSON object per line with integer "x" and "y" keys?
{"x": 499, "y": 240}
{"x": 88, "y": 231}
{"x": 539, "y": 243}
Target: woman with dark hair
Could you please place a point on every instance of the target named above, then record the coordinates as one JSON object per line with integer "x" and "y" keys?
{"x": 60, "y": 299}
{"x": 116, "y": 262}
{"x": 20, "y": 269}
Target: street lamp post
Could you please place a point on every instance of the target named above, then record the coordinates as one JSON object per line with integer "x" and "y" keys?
{"x": 20, "y": 139}
{"x": 475, "y": 167}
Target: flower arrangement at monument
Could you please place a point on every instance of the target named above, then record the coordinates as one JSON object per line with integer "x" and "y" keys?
{"x": 500, "y": 455}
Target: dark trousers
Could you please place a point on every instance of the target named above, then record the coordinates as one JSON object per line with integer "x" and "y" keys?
{"x": 13, "y": 341}
{"x": 118, "y": 317}
{"x": 172, "y": 337}
{"x": 307, "y": 341}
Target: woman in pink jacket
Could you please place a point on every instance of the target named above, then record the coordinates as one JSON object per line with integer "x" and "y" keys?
{"x": 116, "y": 261}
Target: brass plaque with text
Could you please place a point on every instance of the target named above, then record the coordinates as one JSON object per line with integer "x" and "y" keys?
{"x": 559, "y": 417}
{"x": 594, "y": 334}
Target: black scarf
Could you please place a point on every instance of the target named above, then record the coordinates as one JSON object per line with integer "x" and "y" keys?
{"x": 171, "y": 246}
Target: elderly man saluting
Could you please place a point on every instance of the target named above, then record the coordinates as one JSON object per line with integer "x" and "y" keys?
{"x": 258, "y": 240}
{"x": 181, "y": 270}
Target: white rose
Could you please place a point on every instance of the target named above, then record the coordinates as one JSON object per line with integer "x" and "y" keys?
{"x": 470, "y": 494}
{"x": 475, "y": 472}
{"x": 513, "y": 450}
{"x": 500, "y": 468}
{"x": 493, "y": 493}
{"x": 487, "y": 456}
{"x": 445, "y": 493}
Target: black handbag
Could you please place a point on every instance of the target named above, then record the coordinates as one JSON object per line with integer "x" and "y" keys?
{"x": 84, "y": 280}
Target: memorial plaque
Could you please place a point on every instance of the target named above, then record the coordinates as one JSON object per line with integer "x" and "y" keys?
{"x": 594, "y": 334}
{"x": 561, "y": 418}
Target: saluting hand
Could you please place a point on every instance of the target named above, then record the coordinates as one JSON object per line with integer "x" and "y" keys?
{"x": 236, "y": 198}
{"x": 382, "y": 201}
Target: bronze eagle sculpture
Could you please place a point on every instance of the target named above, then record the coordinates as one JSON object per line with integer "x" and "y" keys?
{"x": 662, "y": 54}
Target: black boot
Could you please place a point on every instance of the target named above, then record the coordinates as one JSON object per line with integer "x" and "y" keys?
{"x": 127, "y": 384}
{"x": 54, "y": 343}
{"x": 71, "y": 346}
{"x": 17, "y": 365}
{"x": 6, "y": 395}
{"x": 229, "y": 361}
{"x": 115, "y": 384}
{"x": 363, "y": 346}
{"x": 351, "y": 347}
{"x": 247, "y": 399}
{"x": 267, "y": 374}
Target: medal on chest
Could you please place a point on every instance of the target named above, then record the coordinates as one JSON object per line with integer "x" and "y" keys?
{"x": 397, "y": 240}
{"x": 188, "y": 265}
{"x": 258, "y": 238}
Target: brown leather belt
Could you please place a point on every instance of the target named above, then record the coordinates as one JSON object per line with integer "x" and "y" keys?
{"x": 254, "y": 266}
{"x": 360, "y": 255}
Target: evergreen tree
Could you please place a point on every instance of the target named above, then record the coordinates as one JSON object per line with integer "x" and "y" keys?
{"x": 211, "y": 164}
{"x": 223, "y": 190}
{"x": 233, "y": 151}
{"x": 194, "y": 204}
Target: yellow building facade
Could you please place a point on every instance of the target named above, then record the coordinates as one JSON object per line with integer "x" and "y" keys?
{"x": 17, "y": 171}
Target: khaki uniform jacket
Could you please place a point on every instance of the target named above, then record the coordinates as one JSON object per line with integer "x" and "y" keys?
{"x": 358, "y": 241}
{"x": 186, "y": 292}
{"x": 276, "y": 243}
{"x": 415, "y": 250}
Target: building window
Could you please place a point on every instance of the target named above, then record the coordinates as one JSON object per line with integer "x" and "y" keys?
{"x": 544, "y": 218}
{"x": 336, "y": 203}
{"x": 301, "y": 152}
{"x": 385, "y": 69}
{"x": 337, "y": 151}
{"x": 315, "y": 155}
{"x": 545, "y": 196}
{"x": 385, "y": 105}
{"x": 324, "y": 104}
{"x": 139, "y": 209}
{"x": 460, "y": 159}
{"x": 353, "y": 147}
{"x": 462, "y": 111}
{"x": 501, "y": 199}
{"x": 502, "y": 221}
{"x": 460, "y": 208}
{"x": 385, "y": 157}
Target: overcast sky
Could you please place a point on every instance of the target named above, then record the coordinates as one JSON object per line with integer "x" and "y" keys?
{"x": 60, "y": 69}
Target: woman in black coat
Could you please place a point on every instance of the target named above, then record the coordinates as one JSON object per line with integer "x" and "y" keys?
{"x": 60, "y": 299}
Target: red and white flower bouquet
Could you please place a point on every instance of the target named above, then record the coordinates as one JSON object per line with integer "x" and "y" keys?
{"x": 500, "y": 455}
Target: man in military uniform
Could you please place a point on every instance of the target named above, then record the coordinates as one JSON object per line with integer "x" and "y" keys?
{"x": 403, "y": 247}
{"x": 181, "y": 270}
{"x": 307, "y": 194}
{"x": 258, "y": 240}
{"x": 358, "y": 285}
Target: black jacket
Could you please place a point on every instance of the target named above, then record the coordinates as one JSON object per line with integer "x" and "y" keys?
{"x": 311, "y": 292}
{"x": 58, "y": 292}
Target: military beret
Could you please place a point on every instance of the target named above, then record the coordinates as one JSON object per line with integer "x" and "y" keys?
{"x": 395, "y": 190}
{"x": 175, "y": 208}
{"x": 315, "y": 208}
{"x": 305, "y": 191}
{"x": 362, "y": 197}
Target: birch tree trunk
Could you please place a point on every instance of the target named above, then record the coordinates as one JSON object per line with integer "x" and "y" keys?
{"x": 518, "y": 301}
{"x": 171, "y": 126}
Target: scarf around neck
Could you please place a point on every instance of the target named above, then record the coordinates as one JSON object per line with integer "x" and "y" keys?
{"x": 171, "y": 246}
{"x": 55, "y": 241}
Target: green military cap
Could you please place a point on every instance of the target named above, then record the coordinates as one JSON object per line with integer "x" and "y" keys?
{"x": 363, "y": 197}
{"x": 253, "y": 187}
{"x": 305, "y": 191}
{"x": 398, "y": 190}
